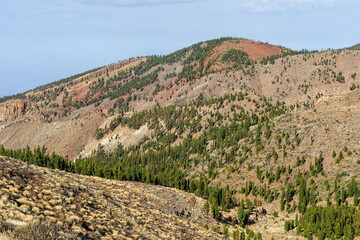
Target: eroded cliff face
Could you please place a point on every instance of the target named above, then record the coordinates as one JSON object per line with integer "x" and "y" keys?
{"x": 16, "y": 110}
{"x": 26, "y": 124}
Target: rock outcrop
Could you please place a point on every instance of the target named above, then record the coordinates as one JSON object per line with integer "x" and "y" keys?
{"x": 16, "y": 109}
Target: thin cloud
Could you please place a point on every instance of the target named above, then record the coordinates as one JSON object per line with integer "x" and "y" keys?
{"x": 78, "y": 9}
{"x": 283, "y": 5}
{"x": 133, "y": 3}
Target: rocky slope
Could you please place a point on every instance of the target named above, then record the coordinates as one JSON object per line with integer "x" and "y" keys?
{"x": 66, "y": 114}
{"x": 260, "y": 131}
{"x": 94, "y": 208}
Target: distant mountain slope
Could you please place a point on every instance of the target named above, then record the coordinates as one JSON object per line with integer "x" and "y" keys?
{"x": 355, "y": 47}
{"x": 269, "y": 136}
{"x": 65, "y": 114}
{"x": 95, "y": 95}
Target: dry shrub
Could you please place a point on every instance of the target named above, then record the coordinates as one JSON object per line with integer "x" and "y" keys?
{"x": 43, "y": 230}
{"x": 4, "y": 236}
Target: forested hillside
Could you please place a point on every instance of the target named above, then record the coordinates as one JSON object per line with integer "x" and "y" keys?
{"x": 265, "y": 135}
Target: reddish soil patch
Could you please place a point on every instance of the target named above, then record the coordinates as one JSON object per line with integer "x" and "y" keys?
{"x": 79, "y": 93}
{"x": 96, "y": 95}
{"x": 257, "y": 50}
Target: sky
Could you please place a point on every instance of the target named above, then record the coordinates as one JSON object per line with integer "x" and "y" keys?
{"x": 42, "y": 41}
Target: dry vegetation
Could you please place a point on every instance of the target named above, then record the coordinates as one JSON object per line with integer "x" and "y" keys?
{"x": 230, "y": 114}
{"x": 51, "y": 116}
{"x": 37, "y": 200}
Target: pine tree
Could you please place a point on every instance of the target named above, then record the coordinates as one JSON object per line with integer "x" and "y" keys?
{"x": 215, "y": 210}
{"x": 303, "y": 198}
{"x": 226, "y": 231}
{"x": 242, "y": 236}
{"x": 2, "y": 150}
{"x": 282, "y": 201}
{"x": 236, "y": 235}
{"x": 338, "y": 230}
{"x": 242, "y": 215}
{"x": 207, "y": 207}
{"x": 356, "y": 199}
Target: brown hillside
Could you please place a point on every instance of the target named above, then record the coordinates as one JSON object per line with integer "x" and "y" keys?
{"x": 63, "y": 123}
{"x": 262, "y": 132}
{"x": 67, "y": 130}
{"x": 94, "y": 208}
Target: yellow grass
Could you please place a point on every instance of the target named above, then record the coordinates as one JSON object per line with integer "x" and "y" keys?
{"x": 4, "y": 236}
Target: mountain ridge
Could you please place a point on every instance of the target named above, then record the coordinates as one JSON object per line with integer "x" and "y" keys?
{"x": 355, "y": 47}
{"x": 243, "y": 124}
{"x": 180, "y": 81}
